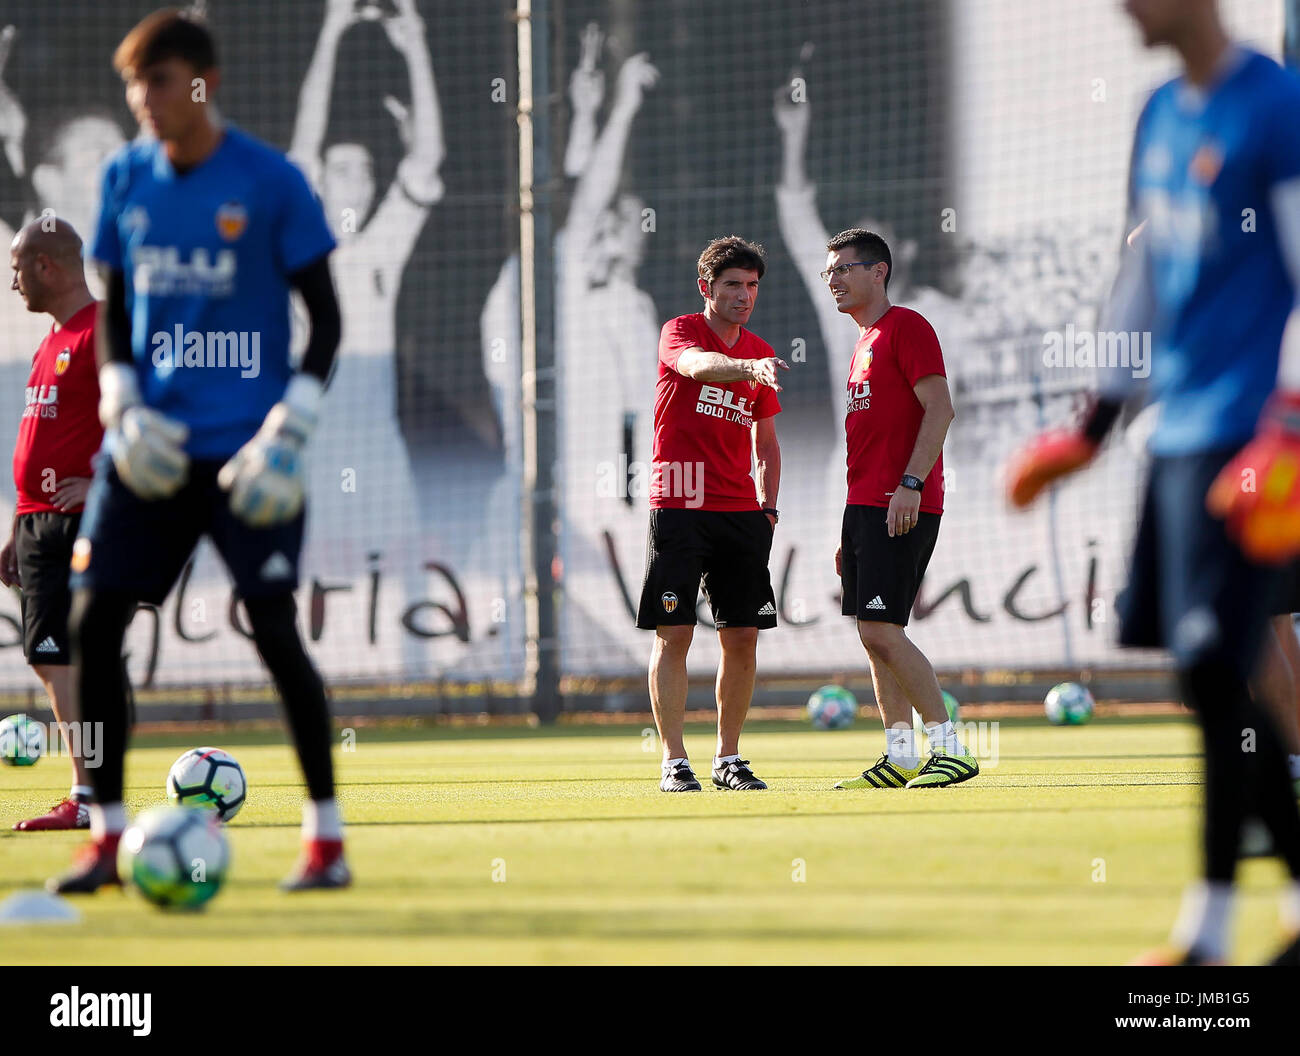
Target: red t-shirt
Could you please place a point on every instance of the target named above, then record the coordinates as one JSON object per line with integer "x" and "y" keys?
{"x": 60, "y": 428}
{"x": 882, "y": 413}
{"x": 703, "y": 439}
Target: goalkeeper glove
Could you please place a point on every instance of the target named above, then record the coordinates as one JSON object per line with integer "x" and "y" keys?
{"x": 1258, "y": 492}
{"x": 146, "y": 447}
{"x": 1058, "y": 453}
{"x": 265, "y": 477}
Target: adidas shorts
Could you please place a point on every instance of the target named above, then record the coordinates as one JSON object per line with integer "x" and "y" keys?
{"x": 880, "y": 575}
{"x": 43, "y": 546}
{"x": 140, "y": 548}
{"x": 725, "y": 552}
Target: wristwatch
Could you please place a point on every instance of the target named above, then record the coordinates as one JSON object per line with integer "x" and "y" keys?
{"x": 776, "y": 514}
{"x": 912, "y": 483}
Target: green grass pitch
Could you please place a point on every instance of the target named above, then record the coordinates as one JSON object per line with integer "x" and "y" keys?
{"x": 510, "y": 845}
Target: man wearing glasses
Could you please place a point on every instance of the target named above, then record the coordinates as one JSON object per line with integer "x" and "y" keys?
{"x": 897, "y": 412}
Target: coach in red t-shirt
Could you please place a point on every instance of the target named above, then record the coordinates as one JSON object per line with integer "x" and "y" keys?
{"x": 897, "y": 412}
{"x": 59, "y": 433}
{"x": 715, "y": 401}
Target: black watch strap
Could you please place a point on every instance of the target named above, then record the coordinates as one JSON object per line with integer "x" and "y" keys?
{"x": 773, "y": 511}
{"x": 912, "y": 483}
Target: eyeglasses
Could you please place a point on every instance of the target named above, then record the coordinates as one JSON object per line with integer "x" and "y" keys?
{"x": 843, "y": 269}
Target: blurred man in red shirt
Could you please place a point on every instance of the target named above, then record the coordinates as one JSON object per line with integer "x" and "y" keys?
{"x": 59, "y": 433}
{"x": 715, "y": 402}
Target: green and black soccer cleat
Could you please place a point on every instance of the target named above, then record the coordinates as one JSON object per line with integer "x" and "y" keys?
{"x": 943, "y": 769}
{"x": 882, "y": 774}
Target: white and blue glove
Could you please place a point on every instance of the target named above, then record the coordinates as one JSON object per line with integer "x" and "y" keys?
{"x": 265, "y": 477}
{"x": 146, "y": 447}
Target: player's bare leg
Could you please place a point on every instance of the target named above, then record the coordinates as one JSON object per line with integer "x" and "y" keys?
{"x": 72, "y": 812}
{"x": 735, "y": 685}
{"x": 888, "y": 644}
{"x": 892, "y": 703}
{"x": 58, "y": 686}
{"x": 911, "y": 682}
{"x": 668, "y": 687}
{"x": 735, "y": 690}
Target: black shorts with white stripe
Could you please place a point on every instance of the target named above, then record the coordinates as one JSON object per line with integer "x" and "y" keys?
{"x": 43, "y": 547}
{"x": 880, "y": 574}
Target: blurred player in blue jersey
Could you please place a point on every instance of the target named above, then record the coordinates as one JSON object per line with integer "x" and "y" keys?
{"x": 203, "y": 231}
{"x": 1211, "y": 270}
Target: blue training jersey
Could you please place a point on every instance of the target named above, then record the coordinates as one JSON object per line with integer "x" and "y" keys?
{"x": 1203, "y": 167}
{"x": 207, "y": 256}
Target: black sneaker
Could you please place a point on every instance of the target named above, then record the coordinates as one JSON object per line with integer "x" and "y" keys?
{"x": 679, "y": 778}
{"x": 737, "y": 776}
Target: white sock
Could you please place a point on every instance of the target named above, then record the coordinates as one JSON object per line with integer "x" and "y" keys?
{"x": 1203, "y": 919}
{"x": 1294, "y": 762}
{"x": 670, "y": 763}
{"x": 719, "y": 761}
{"x": 108, "y": 819}
{"x": 83, "y": 792}
{"x": 900, "y": 746}
{"x": 320, "y": 820}
{"x": 1291, "y": 907}
{"x": 942, "y": 735}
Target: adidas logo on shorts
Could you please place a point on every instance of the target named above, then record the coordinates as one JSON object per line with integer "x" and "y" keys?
{"x": 875, "y": 603}
{"x": 47, "y": 646}
{"x": 767, "y": 610}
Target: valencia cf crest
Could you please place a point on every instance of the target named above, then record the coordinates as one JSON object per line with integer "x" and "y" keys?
{"x": 1206, "y": 163}
{"x": 862, "y": 362}
{"x": 669, "y": 600}
{"x": 232, "y": 218}
{"x": 62, "y": 360}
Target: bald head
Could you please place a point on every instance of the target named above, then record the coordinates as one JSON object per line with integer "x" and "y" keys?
{"x": 51, "y": 236}
{"x": 48, "y": 270}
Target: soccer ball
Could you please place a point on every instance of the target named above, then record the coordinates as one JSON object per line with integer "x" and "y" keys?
{"x": 210, "y": 778}
{"x": 832, "y": 708}
{"x": 22, "y": 741}
{"x": 1068, "y": 704}
{"x": 949, "y": 702}
{"x": 176, "y": 856}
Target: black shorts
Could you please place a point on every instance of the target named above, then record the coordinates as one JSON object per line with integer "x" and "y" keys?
{"x": 727, "y": 551}
{"x": 1190, "y": 589}
{"x": 880, "y": 574}
{"x": 43, "y": 546}
{"x": 139, "y": 547}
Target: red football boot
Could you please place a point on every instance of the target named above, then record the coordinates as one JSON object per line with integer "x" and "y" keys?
{"x": 95, "y": 866}
{"x": 70, "y": 814}
{"x": 320, "y": 866}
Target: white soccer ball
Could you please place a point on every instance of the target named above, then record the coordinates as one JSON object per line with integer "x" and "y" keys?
{"x": 1069, "y": 704}
{"x": 177, "y": 857}
{"x": 208, "y": 778}
{"x": 22, "y": 741}
{"x": 832, "y": 708}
